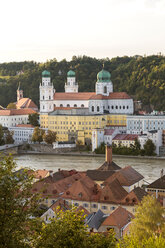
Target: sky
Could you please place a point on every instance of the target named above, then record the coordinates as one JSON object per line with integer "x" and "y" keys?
{"x": 42, "y": 30}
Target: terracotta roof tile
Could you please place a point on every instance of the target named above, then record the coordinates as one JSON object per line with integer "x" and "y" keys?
{"x": 135, "y": 196}
{"x": 25, "y": 125}
{"x": 9, "y": 112}
{"x": 39, "y": 174}
{"x": 113, "y": 95}
{"x": 26, "y": 103}
{"x": 109, "y": 131}
{"x": 99, "y": 175}
{"x": 119, "y": 218}
{"x": 84, "y": 189}
{"x": 158, "y": 184}
{"x": 73, "y": 96}
{"x": 125, "y": 137}
{"x": 113, "y": 192}
{"x": 109, "y": 167}
{"x": 126, "y": 176}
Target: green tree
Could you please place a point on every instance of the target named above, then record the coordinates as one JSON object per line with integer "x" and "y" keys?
{"x": 17, "y": 205}
{"x": 149, "y": 148}
{"x": 67, "y": 230}
{"x": 137, "y": 144}
{"x": 11, "y": 106}
{"x": 33, "y": 119}
{"x": 50, "y": 137}
{"x": 9, "y": 137}
{"x": 1, "y": 135}
{"x": 38, "y": 135}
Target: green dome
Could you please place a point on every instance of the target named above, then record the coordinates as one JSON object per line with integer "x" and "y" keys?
{"x": 71, "y": 74}
{"x": 103, "y": 76}
{"x": 45, "y": 74}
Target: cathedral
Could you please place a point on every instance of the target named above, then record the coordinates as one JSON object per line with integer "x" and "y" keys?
{"x": 102, "y": 101}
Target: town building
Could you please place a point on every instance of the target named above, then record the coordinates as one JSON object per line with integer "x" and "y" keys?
{"x": 22, "y": 133}
{"x": 24, "y": 103}
{"x": 74, "y": 114}
{"x": 103, "y": 100}
{"x": 140, "y": 124}
{"x": 13, "y": 117}
{"x": 157, "y": 188}
{"x": 155, "y": 136}
{"x": 127, "y": 140}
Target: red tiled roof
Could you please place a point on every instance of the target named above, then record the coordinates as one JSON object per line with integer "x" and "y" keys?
{"x": 134, "y": 197}
{"x": 9, "y": 112}
{"x": 73, "y": 96}
{"x": 125, "y": 137}
{"x": 113, "y": 95}
{"x": 84, "y": 189}
{"x": 26, "y": 103}
{"x": 24, "y": 125}
{"x": 113, "y": 192}
{"x": 39, "y": 174}
{"x": 126, "y": 176}
{"x": 108, "y": 131}
{"x": 119, "y": 218}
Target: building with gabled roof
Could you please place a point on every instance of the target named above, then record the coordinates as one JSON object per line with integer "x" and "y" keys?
{"x": 102, "y": 103}
{"x": 117, "y": 221}
{"x": 157, "y": 188}
{"x": 134, "y": 197}
{"x": 128, "y": 177}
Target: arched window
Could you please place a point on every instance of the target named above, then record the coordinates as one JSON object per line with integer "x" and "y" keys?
{"x": 120, "y": 107}
{"x": 123, "y": 107}
{"x": 127, "y": 107}
{"x": 43, "y": 97}
{"x": 61, "y": 105}
{"x": 82, "y": 105}
{"x": 116, "y": 107}
{"x": 68, "y": 105}
{"x": 54, "y": 105}
{"x": 49, "y": 97}
{"x": 105, "y": 89}
{"x": 98, "y": 109}
{"x": 112, "y": 107}
{"x": 92, "y": 108}
{"x": 75, "y": 105}
{"x": 43, "y": 107}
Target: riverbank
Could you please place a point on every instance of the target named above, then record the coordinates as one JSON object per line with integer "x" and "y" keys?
{"x": 86, "y": 154}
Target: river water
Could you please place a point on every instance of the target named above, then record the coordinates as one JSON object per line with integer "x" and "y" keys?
{"x": 149, "y": 168}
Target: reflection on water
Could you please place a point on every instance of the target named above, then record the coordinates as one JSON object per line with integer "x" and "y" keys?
{"x": 149, "y": 168}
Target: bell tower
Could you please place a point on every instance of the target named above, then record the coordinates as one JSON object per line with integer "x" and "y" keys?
{"x": 46, "y": 93}
{"x": 71, "y": 85}
{"x": 19, "y": 93}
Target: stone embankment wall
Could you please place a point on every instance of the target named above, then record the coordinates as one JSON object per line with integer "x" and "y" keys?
{"x": 42, "y": 148}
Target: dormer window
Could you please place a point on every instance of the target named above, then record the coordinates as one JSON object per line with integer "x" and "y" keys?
{"x": 80, "y": 194}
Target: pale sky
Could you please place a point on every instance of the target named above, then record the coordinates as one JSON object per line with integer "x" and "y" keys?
{"x": 42, "y": 30}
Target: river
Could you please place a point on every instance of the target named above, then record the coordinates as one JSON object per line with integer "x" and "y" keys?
{"x": 149, "y": 168}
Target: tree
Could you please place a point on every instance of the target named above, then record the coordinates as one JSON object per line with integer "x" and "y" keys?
{"x": 1, "y": 135}
{"x": 17, "y": 204}
{"x": 11, "y": 106}
{"x": 50, "y": 137}
{"x": 33, "y": 119}
{"x": 68, "y": 230}
{"x": 149, "y": 148}
{"x": 137, "y": 144}
{"x": 148, "y": 227}
{"x": 38, "y": 135}
{"x": 9, "y": 137}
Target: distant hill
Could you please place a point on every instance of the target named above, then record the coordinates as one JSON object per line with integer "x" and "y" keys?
{"x": 141, "y": 77}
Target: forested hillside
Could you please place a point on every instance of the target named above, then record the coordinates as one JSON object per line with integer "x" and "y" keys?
{"x": 141, "y": 77}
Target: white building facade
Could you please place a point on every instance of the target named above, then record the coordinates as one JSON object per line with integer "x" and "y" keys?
{"x": 141, "y": 124}
{"x": 12, "y": 117}
{"x": 22, "y": 133}
{"x": 104, "y": 100}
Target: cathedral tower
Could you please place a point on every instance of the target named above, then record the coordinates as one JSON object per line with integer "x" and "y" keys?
{"x": 104, "y": 84}
{"x": 71, "y": 85}
{"x": 46, "y": 93}
{"x": 19, "y": 93}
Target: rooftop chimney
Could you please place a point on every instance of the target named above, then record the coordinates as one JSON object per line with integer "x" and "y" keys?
{"x": 161, "y": 173}
{"x": 108, "y": 155}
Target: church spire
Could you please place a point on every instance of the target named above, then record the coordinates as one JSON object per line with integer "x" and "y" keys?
{"x": 19, "y": 92}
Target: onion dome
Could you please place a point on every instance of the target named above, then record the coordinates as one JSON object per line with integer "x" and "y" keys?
{"x": 45, "y": 74}
{"x": 103, "y": 76}
{"x": 71, "y": 74}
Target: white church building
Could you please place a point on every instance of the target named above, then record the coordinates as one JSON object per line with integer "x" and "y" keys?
{"x": 102, "y": 101}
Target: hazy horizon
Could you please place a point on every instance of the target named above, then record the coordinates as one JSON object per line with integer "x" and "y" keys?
{"x": 43, "y": 30}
